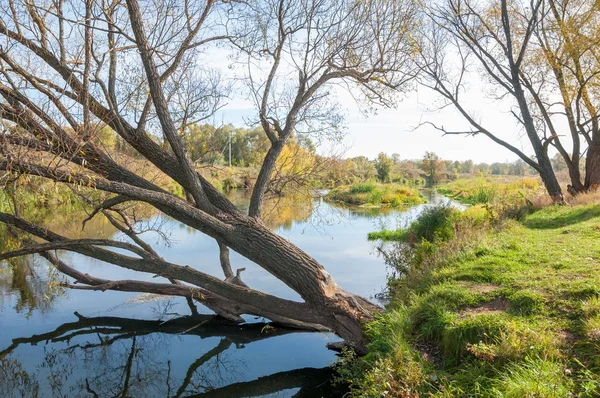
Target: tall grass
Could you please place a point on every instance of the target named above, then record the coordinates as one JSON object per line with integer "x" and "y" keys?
{"x": 362, "y": 188}
{"x": 489, "y": 190}
{"x": 484, "y": 194}
{"x": 535, "y": 377}
{"x": 373, "y": 194}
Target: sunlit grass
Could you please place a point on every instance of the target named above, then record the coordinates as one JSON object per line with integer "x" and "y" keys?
{"x": 512, "y": 311}
{"x": 490, "y": 189}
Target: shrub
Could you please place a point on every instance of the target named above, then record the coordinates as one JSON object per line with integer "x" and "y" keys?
{"x": 376, "y": 197}
{"x": 475, "y": 215}
{"x": 229, "y": 184}
{"x": 434, "y": 224}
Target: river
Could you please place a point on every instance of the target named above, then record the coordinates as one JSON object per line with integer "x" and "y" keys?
{"x": 83, "y": 343}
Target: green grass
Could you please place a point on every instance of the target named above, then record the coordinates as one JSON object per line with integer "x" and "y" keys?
{"x": 387, "y": 235}
{"x": 490, "y": 189}
{"x": 377, "y": 195}
{"x": 534, "y": 377}
{"x": 367, "y": 187}
{"x": 505, "y": 312}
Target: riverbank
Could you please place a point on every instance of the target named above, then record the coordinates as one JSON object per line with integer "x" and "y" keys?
{"x": 507, "y": 309}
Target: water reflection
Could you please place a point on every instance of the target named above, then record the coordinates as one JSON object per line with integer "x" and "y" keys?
{"x": 278, "y": 213}
{"x": 123, "y": 357}
{"x": 111, "y": 352}
{"x": 27, "y": 284}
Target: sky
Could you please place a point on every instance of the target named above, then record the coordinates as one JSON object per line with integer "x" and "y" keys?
{"x": 401, "y": 130}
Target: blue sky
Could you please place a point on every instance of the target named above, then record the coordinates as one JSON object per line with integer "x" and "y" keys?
{"x": 395, "y": 130}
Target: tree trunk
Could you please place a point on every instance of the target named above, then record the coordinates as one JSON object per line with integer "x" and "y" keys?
{"x": 264, "y": 177}
{"x": 592, "y": 167}
{"x": 342, "y": 312}
{"x": 545, "y": 166}
{"x": 576, "y": 186}
{"x": 541, "y": 151}
{"x": 550, "y": 181}
{"x": 325, "y": 305}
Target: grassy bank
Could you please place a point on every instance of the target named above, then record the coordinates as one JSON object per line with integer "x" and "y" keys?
{"x": 435, "y": 224}
{"x": 491, "y": 189}
{"x": 374, "y": 194}
{"x": 492, "y": 311}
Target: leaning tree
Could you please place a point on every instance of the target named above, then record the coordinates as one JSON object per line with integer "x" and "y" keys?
{"x": 141, "y": 69}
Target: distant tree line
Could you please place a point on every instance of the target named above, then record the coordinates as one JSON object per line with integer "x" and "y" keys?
{"x": 209, "y": 145}
{"x": 429, "y": 170}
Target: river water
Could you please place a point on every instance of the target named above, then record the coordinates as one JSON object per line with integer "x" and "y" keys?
{"x": 95, "y": 344}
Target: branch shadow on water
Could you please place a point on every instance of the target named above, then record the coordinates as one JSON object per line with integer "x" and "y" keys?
{"x": 119, "y": 357}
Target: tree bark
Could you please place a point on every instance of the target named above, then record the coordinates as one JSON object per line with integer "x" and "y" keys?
{"x": 264, "y": 177}
{"x": 592, "y": 166}
{"x": 576, "y": 186}
{"x": 550, "y": 181}
{"x": 545, "y": 166}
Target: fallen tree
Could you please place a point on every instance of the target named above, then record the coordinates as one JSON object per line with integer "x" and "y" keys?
{"x": 71, "y": 69}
